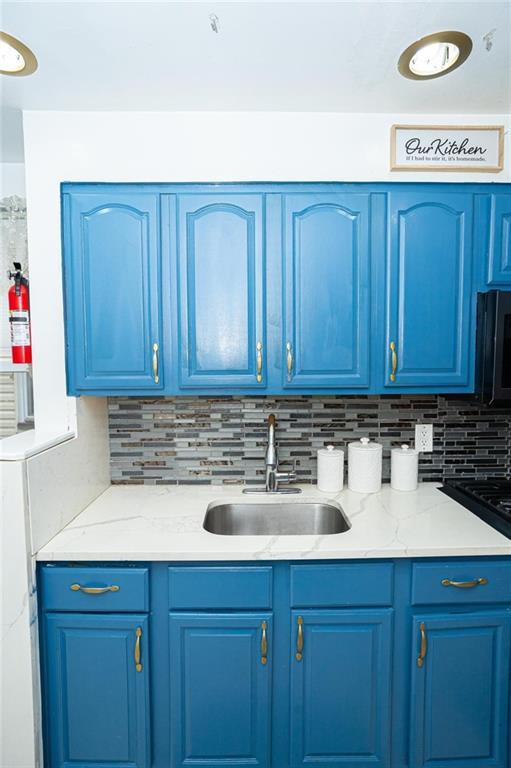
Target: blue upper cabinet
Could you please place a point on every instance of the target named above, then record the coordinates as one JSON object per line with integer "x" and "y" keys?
{"x": 429, "y": 303}
{"x": 221, "y": 672}
{"x": 499, "y": 271}
{"x": 112, "y": 291}
{"x": 97, "y": 698}
{"x": 221, "y": 291}
{"x": 326, "y": 291}
{"x": 340, "y": 688}
{"x": 460, "y": 690}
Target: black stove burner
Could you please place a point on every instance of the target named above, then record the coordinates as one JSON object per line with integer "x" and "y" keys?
{"x": 488, "y": 499}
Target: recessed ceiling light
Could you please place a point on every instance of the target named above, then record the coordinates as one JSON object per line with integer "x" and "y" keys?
{"x": 15, "y": 58}
{"x": 434, "y": 55}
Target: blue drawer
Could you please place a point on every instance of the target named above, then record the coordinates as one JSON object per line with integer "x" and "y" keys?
{"x": 330, "y": 586}
{"x": 94, "y": 589}
{"x": 452, "y": 583}
{"x": 219, "y": 587}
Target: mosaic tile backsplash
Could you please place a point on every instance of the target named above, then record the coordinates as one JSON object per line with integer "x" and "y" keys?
{"x": 221, "y": 441}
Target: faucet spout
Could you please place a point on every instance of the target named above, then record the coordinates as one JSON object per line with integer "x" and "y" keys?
{"x": 273, "y": 476}
{"x": 271, "y": 448}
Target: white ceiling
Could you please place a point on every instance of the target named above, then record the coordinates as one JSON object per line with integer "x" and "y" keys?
{"x": 298, "y": 56}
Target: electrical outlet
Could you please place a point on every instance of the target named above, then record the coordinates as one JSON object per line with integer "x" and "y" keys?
{"x": 424, "y": 438}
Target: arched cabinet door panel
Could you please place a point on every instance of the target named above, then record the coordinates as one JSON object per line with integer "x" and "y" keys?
{"x": 500, "y": 240}
{"x": 326, "y": 283}
{"x": 429, "y": 291}
{"x": 113, "y": 292}
{"x": 221, "y": 291}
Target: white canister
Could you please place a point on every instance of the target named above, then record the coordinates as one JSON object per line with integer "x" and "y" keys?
{"x": 330, "y": 469}
{"x": 404, "y": 468}
{"x": 364, "y": 466}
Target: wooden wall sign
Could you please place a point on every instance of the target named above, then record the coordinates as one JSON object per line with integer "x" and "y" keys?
{"x": 447, "y": 148}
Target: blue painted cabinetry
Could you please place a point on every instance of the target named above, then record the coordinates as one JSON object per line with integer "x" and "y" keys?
{"x": 112, "y": 290}
{"x": 392, "y": 664}
{"x": 221, "y": 672}
{"x": 429, "y": 302}
{"x": 340, "y": 688}
{"x": 221, "y": 291}
{"x": 96, "y": 696}
{"x": 326, "y": 262}
{"x": 272, "y": 288}
{"x": 499, "y": 261}
{"x": 460, "y": 690}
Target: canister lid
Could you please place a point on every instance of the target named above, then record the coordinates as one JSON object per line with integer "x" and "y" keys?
{"x": 365, "y": 444}
{"x": 330, "y": 451}
{"x": 405, "y": 450}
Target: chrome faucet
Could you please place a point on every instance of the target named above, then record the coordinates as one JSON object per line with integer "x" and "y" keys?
{"x": 273, "y": 476}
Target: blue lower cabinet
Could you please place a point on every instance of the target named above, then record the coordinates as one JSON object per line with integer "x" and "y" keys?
{"x": 97, "y": 691}
{"x": 341, "y": 688}
{"x": 220, "y": 688}
{"x": 460, "y": 690}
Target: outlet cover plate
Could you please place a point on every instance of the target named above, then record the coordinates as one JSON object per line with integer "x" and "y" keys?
{"x": 424, "y": 438}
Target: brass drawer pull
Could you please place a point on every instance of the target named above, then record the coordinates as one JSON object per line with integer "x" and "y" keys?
{"x": 289, "y": 360}
{"x": 94, "y": 590}
{"x": 424, "y": 646}
{"x": 138, "y": 635}
{"x": 156, "y": 375}
{"x": 299, "y": 639}
{"x": 394, "y": 360}
{"x": 464, "y": 584}
{"x": 264, "y": 643}
{"x": 259, "y": 362}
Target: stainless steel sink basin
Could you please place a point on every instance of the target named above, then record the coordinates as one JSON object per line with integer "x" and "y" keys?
{"x": 277, "y": 518}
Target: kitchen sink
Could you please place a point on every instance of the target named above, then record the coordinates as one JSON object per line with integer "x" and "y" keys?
{"x": 300, "y": 518}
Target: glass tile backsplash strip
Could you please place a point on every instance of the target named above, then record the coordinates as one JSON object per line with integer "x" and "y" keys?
{"x": 219, "y": 441}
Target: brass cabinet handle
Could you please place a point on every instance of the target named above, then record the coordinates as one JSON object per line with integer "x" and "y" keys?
{"x": 156, "y": 375}
{"x": 138, "y": 635}
{"x": 464, "y": 584}
{"x": 394, "y": 361}
{"x": 424, "y": 646}
{"x": 289, "y": 360}
{"x": 94, "y": 590}
{"x": 264, "y": 643}
{"x": 299, "y": 639}
{"x": 259, "y": 362}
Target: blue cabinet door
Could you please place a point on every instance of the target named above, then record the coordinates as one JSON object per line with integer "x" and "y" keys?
{"x": 499, "y": 270}
{"x": 340, "y": 688}
{"x": 221, "y": 291}
{"x": 112, "y": 291}
{"x": 460, "y": 694}
{"x": 429, "y": 300}
{"x": 220, "y": 689}
{"x": 97, "y": 702}
{"x": 326, "y": 284}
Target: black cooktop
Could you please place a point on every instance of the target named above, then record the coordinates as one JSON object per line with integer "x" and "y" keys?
{"x": 488, "y": 499}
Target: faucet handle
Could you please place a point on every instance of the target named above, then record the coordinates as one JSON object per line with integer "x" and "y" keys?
{"x": 287, "y": 477}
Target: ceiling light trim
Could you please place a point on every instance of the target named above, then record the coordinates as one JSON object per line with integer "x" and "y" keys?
{"x": 28, "y": 57}
{"x": 460, "y": 39}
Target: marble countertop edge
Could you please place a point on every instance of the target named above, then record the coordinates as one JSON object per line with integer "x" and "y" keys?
{"x": 164, "y": 523}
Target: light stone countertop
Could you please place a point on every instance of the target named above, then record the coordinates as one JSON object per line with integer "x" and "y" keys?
{"x": 165, "y": 523}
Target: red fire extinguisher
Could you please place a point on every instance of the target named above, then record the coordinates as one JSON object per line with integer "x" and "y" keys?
{"x": 19, "y": 316}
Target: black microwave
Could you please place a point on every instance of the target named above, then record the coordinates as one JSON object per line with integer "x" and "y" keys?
{"x": 493, "y": 358}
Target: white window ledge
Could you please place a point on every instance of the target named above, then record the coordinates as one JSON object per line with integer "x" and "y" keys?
{"x": 25, "y": 444}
